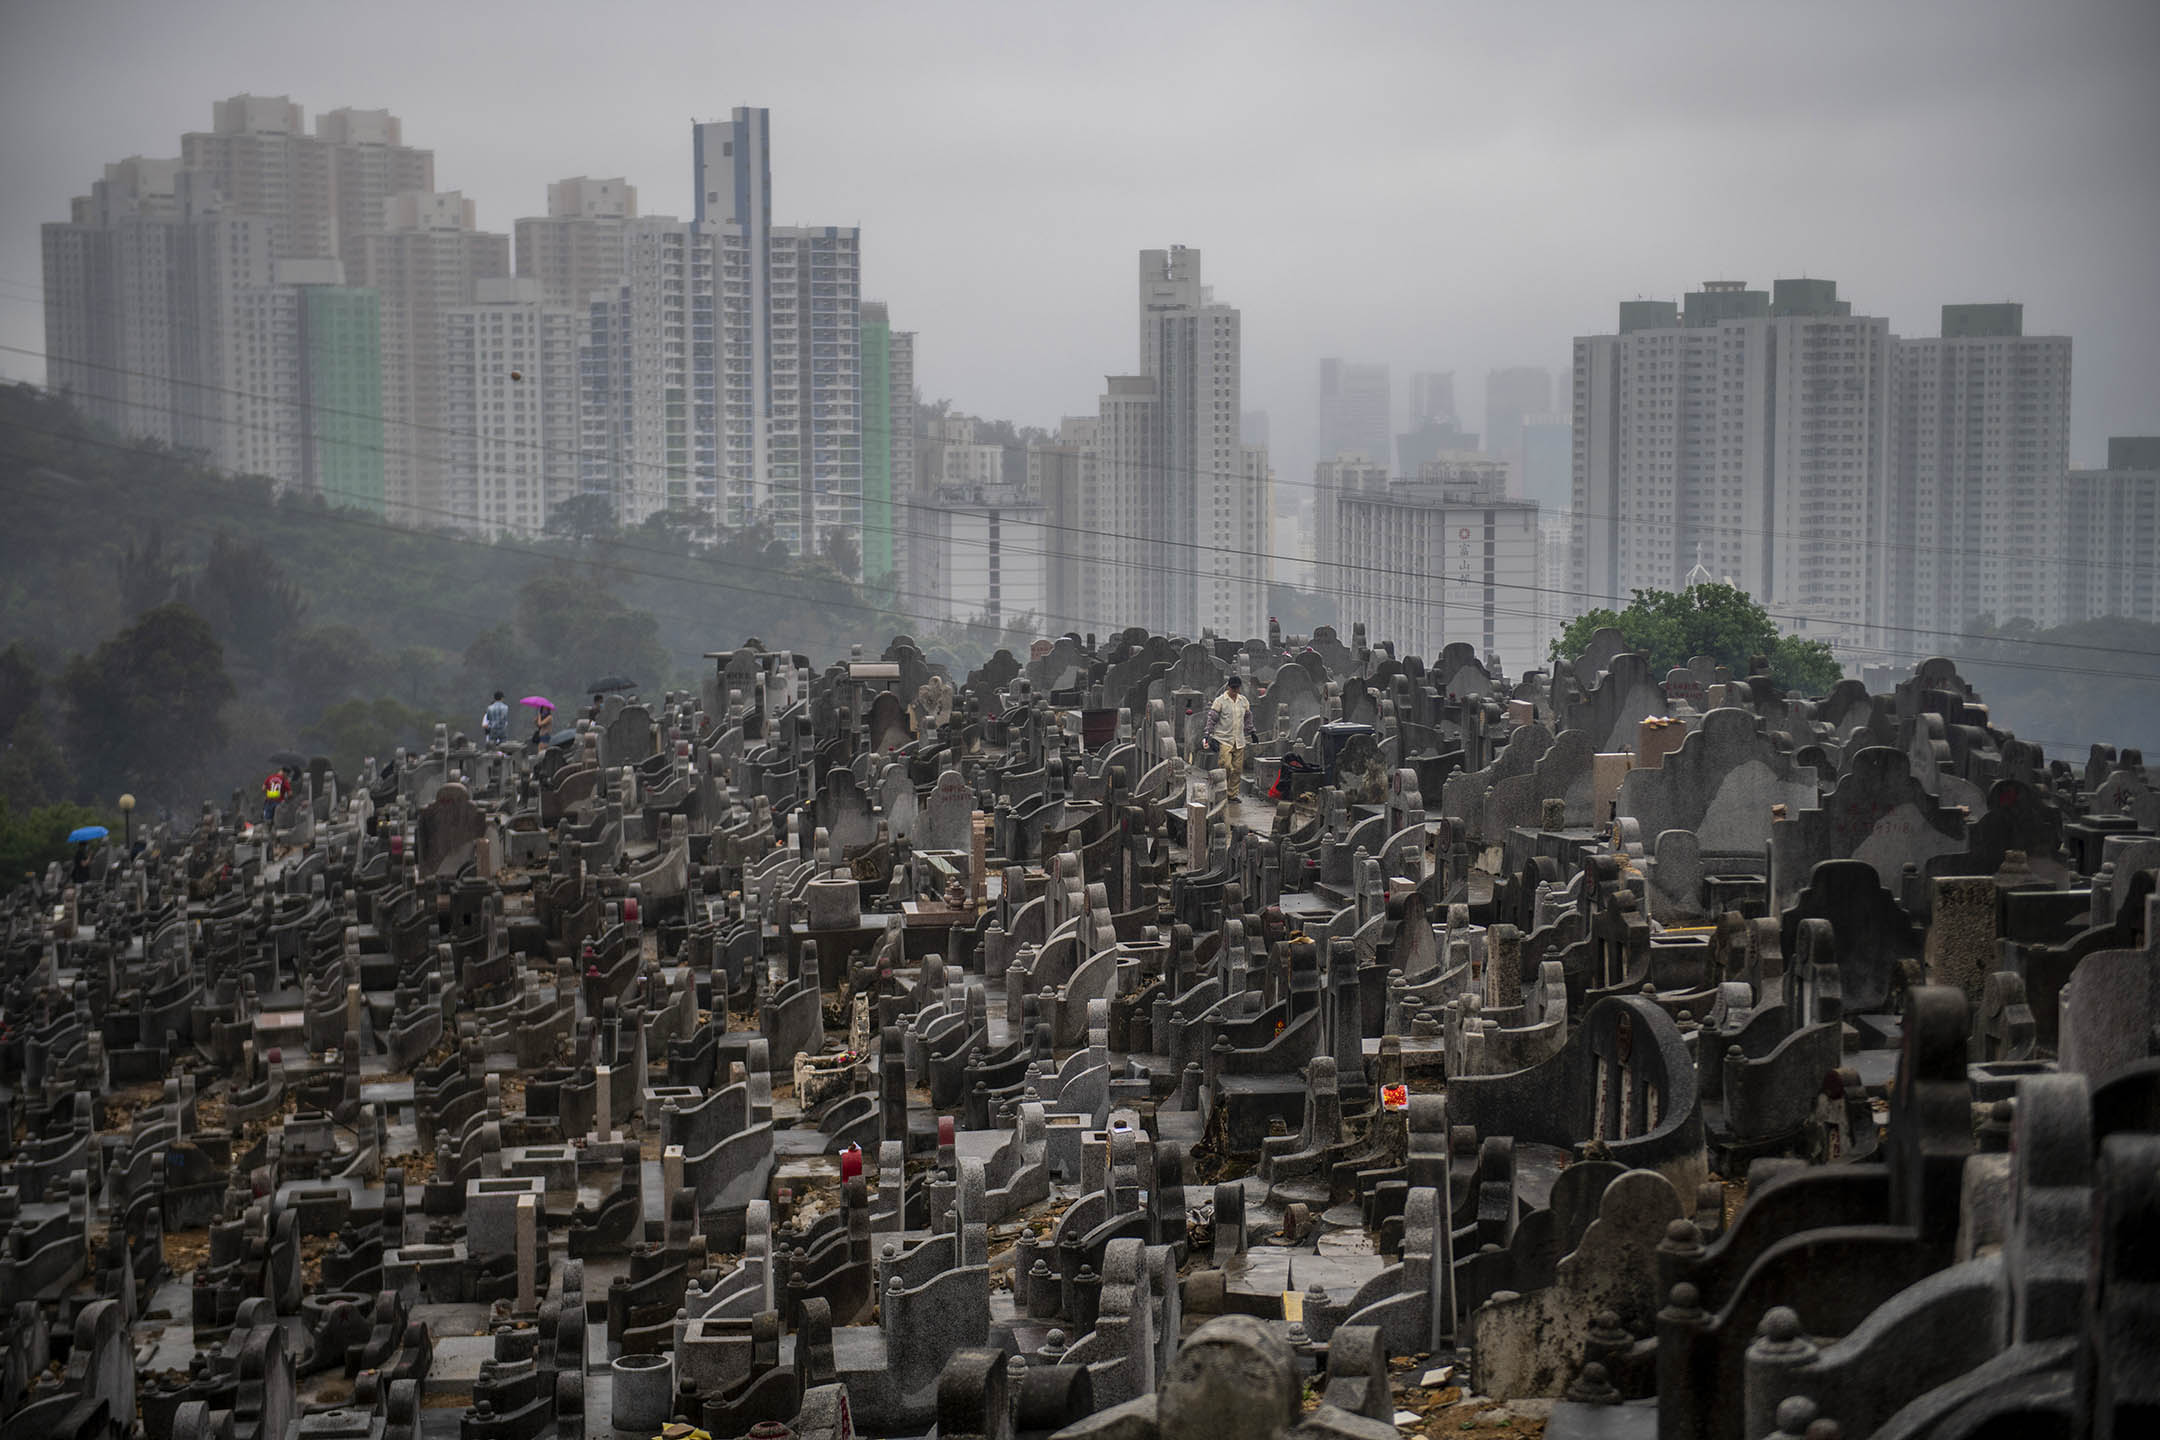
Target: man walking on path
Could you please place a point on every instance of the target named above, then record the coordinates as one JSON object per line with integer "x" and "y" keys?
{"x": 495, "y": 721}
{"x": 1229, "y": 721}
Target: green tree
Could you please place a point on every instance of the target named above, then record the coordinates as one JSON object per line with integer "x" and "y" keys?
{"x": 32, "y": 770}
{"x": 1720, "y": 621}
{"x": 582, "y": 516}
{"x": 148, "y": 574}
{"x": 574, "y": 636}
{"x": 247, "y": 597}
{"x": 146, "y": 708}
{"x": 351, "y": 732}
{"x": 32, "y": 839}
{"x": 22, "y": 684}
{"x": 2020, "y": 670}
{"x": 326, "y": 664}
{"x": 842, "y": 552}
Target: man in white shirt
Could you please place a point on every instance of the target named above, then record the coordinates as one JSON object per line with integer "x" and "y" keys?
{"x": 1229, "y": 720}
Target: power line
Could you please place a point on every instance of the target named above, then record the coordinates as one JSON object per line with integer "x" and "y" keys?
{"x": 1105, "y": 623}
{"x": 1566, "y": 512}
{"x": 1363, "y": 596}
{"x": 354, "y": 518}
{"x": 912, "y": 506}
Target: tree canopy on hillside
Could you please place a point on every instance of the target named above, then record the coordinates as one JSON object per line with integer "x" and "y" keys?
{"x": 1721, "y": 621}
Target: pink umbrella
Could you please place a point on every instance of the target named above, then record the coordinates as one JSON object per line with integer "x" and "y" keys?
{"x": 538, "y": 702}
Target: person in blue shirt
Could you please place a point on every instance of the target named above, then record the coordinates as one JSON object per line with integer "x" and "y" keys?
{"x": 495, "y": 722}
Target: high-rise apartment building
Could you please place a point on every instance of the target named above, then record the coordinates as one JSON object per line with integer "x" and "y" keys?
{"x": 1982, "y": 425}
{"x": 1750, "y": 431}
{"x": 224, "y": 301}
{"x": 1177, "y": 514}
{"x": 1205, "y": 505}
{"x": 510, "y": 407}
{"x": 650, "y": 429}
{"x": 321, "y": 192}
{"x": 786, "y": 327}
{"x": 1054, "y": 476}
{"x": 888, "y": 440}
{"x": 1511, "y": 395}
{"x": 1443, "y": 558}
{"x": 258, "y": 155}
{"x": 576, "y": 248}
{"x": 1331, "y": 480}
{"x": 370, "y": 163}
{"x": 2111, "y": 535}
{"x": 1064, "y": 478}
{"x": 302, "y": 384}
{"x": 1356, "y": 410}
{"x": 950, "y": 456}
{"x": 140, "y": 284}
{"x": 427, "y": 259}
{"x": 978, "y": 556}
{"x": 1118, "y": 579}
{"x": 188, "y": 299}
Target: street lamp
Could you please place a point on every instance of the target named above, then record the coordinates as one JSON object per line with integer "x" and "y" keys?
{"x": 127, "y": 821}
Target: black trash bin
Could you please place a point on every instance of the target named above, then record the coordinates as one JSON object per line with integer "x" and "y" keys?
{"x": 1333, "y": 738}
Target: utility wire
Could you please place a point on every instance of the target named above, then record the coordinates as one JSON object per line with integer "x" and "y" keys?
{"x": 357, "y": 519}
{"x": 1110, "y": 561}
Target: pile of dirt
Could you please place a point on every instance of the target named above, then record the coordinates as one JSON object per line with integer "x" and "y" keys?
{"x": 186, "y": 1250}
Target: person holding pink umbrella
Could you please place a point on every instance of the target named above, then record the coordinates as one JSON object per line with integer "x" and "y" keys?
{"x": 543, "y": 719}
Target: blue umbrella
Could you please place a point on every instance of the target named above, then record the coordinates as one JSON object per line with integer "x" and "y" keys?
{"x": 87, "y": 832}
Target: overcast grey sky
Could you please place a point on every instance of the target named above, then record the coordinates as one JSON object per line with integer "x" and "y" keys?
{"x": 1438, "y": 186}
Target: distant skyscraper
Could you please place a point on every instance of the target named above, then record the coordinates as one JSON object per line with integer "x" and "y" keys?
{"x": 1544, "y": 473}
{"x": 576, "y": 248}
{"x": 428, "y": 258}
{"x": 1751, "y": 433}
{"x": 1511, "y": 395}
{"x": 302, "y": 389}
{"x": 1063, "y": 475}
{"x": 1253, "y": 427}
{"x": 141, "y": 293}
{"x": 259, "y": 157}
{"x": 1429, "y": 441}
{"x": 1982, "y": 421}
{"x": 2111, "y": 537}
{"x": 511, "y": 406}
{"x": 187, "y": 299}
{"x": 1432, "y": 397}
{"x": 1333, "y": 479}
{"x": 1443, "y": 558}
{"x": 888, "y": 438}
{"x": 369, "y": 163}
{"x": 321, "y": 192}
{"x": 1178, "y": 514}
{"x": 978, "y": 556}
{"x": 786, "y": 322}
{"x": 649, "y": 421}
{"x": 1356, "y": 411}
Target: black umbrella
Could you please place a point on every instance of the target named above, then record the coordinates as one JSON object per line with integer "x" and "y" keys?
{"x": 612, "y": 682}
{"x": 288, "y": 757}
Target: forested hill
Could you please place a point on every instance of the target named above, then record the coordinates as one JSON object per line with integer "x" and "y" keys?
{"x": 166, "y": 627}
